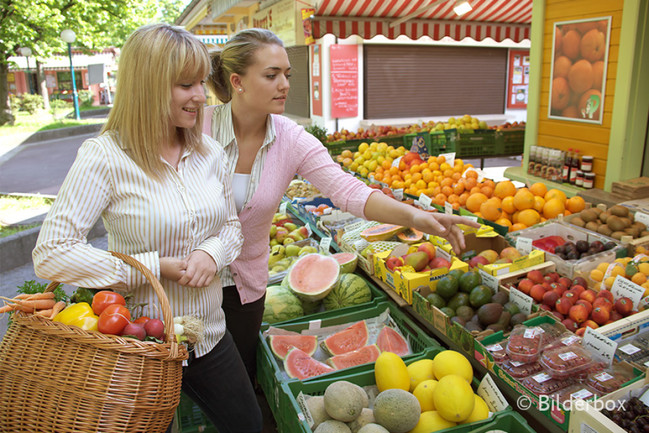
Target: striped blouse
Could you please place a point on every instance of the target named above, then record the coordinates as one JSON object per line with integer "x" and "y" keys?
{"x": 191, "y": 208}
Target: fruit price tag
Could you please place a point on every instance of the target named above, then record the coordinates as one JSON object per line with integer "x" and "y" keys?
{"x": 583, "y": 394}
{"x": 395, "y": 163}
{"x": 598, "y": 344}
{"x": 305, "y": 415}
{"x": 450, "y": 158}
{"x": 642, "y": 218}
{"x": 585, "y": 428}
{"x": 443, "y": 254}
{"x": 282, "y": 207}
{"x": 625, "y": 288}
{"x": 494, "y": 348}
{"x": 315, "y": 324}
{"x": 324, "y": 244}
{"x": 472, "y": 218}
{"x": 491, "y": 394}
{"x": 425, "y": 201}
{"x": 522, "y": 301}
{"x": 398, "y": 193}
{"x": 524, "y": 245}
{"x": 489, "y": 280}
{"x": 541, "y": 377}
{"x": 448, "y": 208}
{"x": 629, "y": 349}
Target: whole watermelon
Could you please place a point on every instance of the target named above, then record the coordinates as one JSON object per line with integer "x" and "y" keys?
{"x": 281, "y": 305}
{"x": 350, "y": 290}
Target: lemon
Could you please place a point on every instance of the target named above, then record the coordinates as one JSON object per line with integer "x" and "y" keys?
{"x": 453, "y": 398}
{"x": 391, "y": 372}
{"x": 480, "y": 411}
{"x": 431, "y": 421}
{"x": 452, "y": 362}
{"x": 424, "y": 393}
{"x": 419, "y": 371}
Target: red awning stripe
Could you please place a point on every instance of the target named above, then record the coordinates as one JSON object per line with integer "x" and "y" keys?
{"x": 417, "y": 29}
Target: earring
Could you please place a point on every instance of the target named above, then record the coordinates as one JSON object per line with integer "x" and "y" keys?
{"x": 240, "y": 90}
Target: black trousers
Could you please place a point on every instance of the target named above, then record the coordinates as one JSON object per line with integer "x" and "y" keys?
{"x": 243, "y": 322}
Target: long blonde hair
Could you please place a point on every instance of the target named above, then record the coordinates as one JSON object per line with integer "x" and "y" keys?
{"x": 235, "y": 57}
{"x": 154, "y": 59}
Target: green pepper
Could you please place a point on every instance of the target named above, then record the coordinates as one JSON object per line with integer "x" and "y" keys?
{"x": 79, "y": 314}
{"x": 83, "y": 294}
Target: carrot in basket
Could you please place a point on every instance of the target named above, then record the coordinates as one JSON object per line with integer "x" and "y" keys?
{"x": 36, "y": 296}
{"x": 6, "y": 309}
{"x": 57, "y": 308}
{"x": 45, "y": 313}
{"x": 31, "y": 306}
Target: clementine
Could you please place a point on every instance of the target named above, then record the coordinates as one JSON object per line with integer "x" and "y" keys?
{"x": 504, "y": 189}
{"x": 523, "y": 200}
{"x": 529, "y": 217}
{"x": 555, "y": 193}
{"x": 553, "y": 208}
{"x": 491, "y": 209}
{"x": 508, "y": 205}
{"x": 539, "y": 189}
{"x": 475, "y": 200}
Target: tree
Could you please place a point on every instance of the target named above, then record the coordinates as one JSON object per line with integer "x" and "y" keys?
{"x": 98, "y": 24}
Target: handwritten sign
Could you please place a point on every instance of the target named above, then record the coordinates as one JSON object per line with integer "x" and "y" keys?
{"x": 625, "y": 288}
{"x": 324, "y": 244}
{"x": 448, "y": 208}
{"x": 398, "y": 193}
{"x": 282, "y": 207}
{"x": 344, "y": 80}
{"x": 524, "y": 245}
{"x": 596, "y": 343}
{"x": 425, "y": 201}
{"x": 305, "y": 412}
{"x": 642, "y": 218}
{"x": 491, "y": 394}
{"x": 443, "y": 254}
{"x": 523, "y": 301}
{"x": 489, "y": 280}
{"x": 450, "y": 158}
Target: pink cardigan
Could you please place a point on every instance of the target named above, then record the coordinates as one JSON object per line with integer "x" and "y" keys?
{"x": 293, "y": 151}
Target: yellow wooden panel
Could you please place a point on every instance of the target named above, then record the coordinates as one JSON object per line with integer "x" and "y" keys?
{"x": 583, "y": 9}
{"x": 586, "y": 132}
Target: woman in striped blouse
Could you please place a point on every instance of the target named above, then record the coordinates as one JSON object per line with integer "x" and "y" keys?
{"x": 265, "y": 151}
{"x": 164, "y": 193}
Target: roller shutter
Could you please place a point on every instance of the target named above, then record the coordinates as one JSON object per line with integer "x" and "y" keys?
{"x": 298, "y": 101}
{"x": 424, "y": 81}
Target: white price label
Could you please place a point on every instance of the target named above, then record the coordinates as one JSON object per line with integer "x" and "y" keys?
{"x": 642, "y": 218}
{"x": 495, "y": 348}
{"x": 603, "y": 377}
{"x": 282, "y": 207}
{"x": 491, "y": 394}
{"x": 541, "y": 377}
{"x": 516, "y": 363}
{"x": 523, "y": 301}
{"x": 324, "y": 244}
{"x": 395, "y": 163}
{"x": 524, "y": 245}
{"x": 398, "y": 193}
{"x": 625, "y": 288}
{"x": 570, "y": 340}
{"x": 443, "y": 254}
{"x": 450, "y": 158}
{"x": 598, "y": 344}
{"x": 448, "y": 208}
{"x": 425, "y": 201}
{"x": 567, "y": 356}
{"x": 629, "y": 349}
{"x": 301, "y": 402}
{"x": 489, "y": 280}
{"x": 582, "y": 394}
{"x": 472, "y": 218}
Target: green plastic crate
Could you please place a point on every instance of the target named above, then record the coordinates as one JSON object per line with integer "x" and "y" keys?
{"x": 190, "y": 418}
{"x": 293, "y": 420}
{"x": 337, "y": 147}
{"x": 271, "y": 378}
{"x": 378, "y": 296}
{"x": 509, "y": 141}
{"x": 465, "y": 143}
{"x": 505, "y": 421}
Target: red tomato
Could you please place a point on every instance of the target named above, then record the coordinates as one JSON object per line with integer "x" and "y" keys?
{"x": 103, "y": 299}
{"x": 113, "y": 319}
{"x": 142, "y": 320}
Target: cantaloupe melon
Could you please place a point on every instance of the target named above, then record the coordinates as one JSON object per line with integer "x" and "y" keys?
{"x": 315, "y": 404}
{"x": 373, "y": 428}
{"x": 366, "y": 417}
{"x": 343, "y": 401}
{"x": 397, "y": 410}
{"x": 332, "y": 426}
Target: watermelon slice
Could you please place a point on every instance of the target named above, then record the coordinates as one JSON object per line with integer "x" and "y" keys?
{"x": 357, "y": 357}
{"x": 347, "y": 262}
{"x": 299, "y": 365}
{"x": 280, "y": 344}
{"x": 351, "y": 338}
{"x": 313, "y": 276}
{"x": 390, "y": 340}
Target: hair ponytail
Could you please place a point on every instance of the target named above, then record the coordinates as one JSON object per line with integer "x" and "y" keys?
{"x": 217, "y": 81}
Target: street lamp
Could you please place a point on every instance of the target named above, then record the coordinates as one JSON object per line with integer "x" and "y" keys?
{"x": 26, "y": 51}
{"x": 69, "y": 36}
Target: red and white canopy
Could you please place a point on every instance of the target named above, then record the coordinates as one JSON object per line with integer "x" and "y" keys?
{"x": 495, "y": 19}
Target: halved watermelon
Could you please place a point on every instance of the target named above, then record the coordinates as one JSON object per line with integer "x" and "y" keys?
{"x": 280, "y": 344}
{"x": 313, "y": 276}
{"x": 390, "y": 340}
{"x": 357, "y": 357}
{"x": 351, "y": 338}
{"x": 299, "y": 365}
{"x": 347, "y": 262}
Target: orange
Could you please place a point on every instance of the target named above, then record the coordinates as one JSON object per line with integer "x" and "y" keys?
{"x": 394, "y": 170}
{"x": 453, "y": 198}
{"x": 491, "y": 209}
{"x": 517, "y": 226}
{"x": 416, "y": 176}
{"x": 504, "y": 189}
{"x": 474, "y": 201}
{"x": 397, "y": 184}
{"x": 447, "y": 190}
{"x": 447, "y": 182}
{"x": 487, "y": 190}
{"x": 508, "y": 205}
{"x": 476, "y": 190}
{"x": 441, "y": 159}
{"x": 575, "y": 204}
{"x": 529, "y": 217}
{"x": 539, "y": 189}
{"x": 505, "y": 222}
{"x": 555, "y": 193}
{"x": 421, "y": 184}
{"x": 538, "y": 203}
{"x": 440, "y": 199}
{"x": 471, "y": 174}
{"x": 523, "y": 199}
{"x": 458, "y": 188}
{"x": 553, "y": 208}
{"x": 639, "y": 278}
{"x": 463, "y": 198}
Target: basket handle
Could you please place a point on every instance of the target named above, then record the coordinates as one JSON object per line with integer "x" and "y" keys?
{"x": 157, "y": 288}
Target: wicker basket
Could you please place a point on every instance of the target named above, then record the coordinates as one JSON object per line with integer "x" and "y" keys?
{"x": 60, "y": 378}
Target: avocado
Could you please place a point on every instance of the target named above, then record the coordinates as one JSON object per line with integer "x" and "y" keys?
{"x": 490, "y": 313}
{"x": 495, "y": 327}
{"x": 436, "y": 300}
{"x": 473, "y": 326}
{"x": 500, "y": 297}
{"x": 447, "y": 287}
{"x": 460, "y": 299}
{"x": 511, "y": 308}
{"x": 480, "y": 295}
{"x": 465, "y": 312}
{"x": 517, "y": 319}
{"x": 504, "y": 319}
{"x": 448, "y": 311}
{"x": 458, "y": 320}
{"x": 469, "y": 280}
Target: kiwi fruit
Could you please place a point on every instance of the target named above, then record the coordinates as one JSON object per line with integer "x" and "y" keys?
{"x": 597, "y": 210}
{"x": 619, "y": 210}
{"x": 593, "y": 225}
{"x": 627, "y": 221}
{"x": 615, "y": 223}
{"x": 639, "y": 225}
{"x": 604, "y": 216}
{"x": 632, "y": 231}
{"x": 618, "y": 235}
{"x": 578, "y": 222}
{"x": 605, "y": 230}
{"x": 588, "y": 215}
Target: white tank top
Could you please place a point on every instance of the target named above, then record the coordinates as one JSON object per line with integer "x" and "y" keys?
{"x": 240, "y": 184}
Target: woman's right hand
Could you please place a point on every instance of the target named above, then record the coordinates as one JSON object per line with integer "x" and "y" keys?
{"x": 172, "y": 268}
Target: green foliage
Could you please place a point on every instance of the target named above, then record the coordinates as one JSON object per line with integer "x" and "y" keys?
{"x": 31, "y": 103}
{"x": 86, "y": 98}
{"x": 318, "y": 132}
{"x": 30, "y": 287}
{"x": 58, "y": 108}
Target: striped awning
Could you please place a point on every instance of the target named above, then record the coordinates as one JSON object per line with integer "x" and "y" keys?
{"x": 495, "y": 19}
